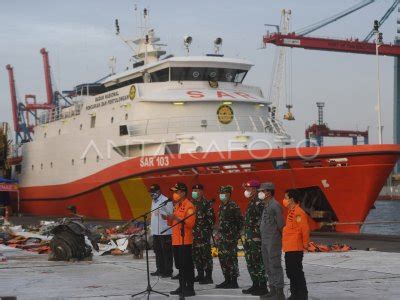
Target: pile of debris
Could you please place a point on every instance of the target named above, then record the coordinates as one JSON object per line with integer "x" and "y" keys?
{"x": 14, "y": 237}
{"x": 314, "y": 247}
{"x": 72, "y": 239}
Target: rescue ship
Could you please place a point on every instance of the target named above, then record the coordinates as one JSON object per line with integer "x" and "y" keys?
{"x": 190, "y": 119}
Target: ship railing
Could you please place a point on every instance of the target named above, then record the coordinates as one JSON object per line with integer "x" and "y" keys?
{"x": 60, "y": 113}
{"x": 204, "y": 124}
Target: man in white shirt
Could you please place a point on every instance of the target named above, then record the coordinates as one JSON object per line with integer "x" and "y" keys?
{"x": 162, "y": 243}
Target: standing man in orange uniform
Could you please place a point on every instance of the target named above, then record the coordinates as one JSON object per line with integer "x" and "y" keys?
{"x": 182, "y": 239}
{"x": 295, "y": 239}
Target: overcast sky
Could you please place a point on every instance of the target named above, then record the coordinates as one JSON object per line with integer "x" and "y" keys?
{"x": 80, "y": 38}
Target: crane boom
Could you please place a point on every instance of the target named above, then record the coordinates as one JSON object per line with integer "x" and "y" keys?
{"x": 383, "y": 19}
{"x": 353, "y": 45}
{"x": 14, "y": 102}
{"x": 322, "y": 23}
{"x": 47, "y": 76}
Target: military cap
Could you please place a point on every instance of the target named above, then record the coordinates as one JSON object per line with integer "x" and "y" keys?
{"x": 226, "y": 189}
{"x": 252, "y": 183}
{"x": 267, "y": 186}
{"x": 179, "y": 186}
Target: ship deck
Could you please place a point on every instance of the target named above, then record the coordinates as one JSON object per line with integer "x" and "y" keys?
{"x": 350, "y": 275}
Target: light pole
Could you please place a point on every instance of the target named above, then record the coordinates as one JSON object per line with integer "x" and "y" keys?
{"x": 378, "y": 43}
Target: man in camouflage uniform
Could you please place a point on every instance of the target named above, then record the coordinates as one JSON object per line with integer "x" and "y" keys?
{"x": 202, "y": 231}
{"x": 252, "y": 240}
{"x": 230, "y": 224}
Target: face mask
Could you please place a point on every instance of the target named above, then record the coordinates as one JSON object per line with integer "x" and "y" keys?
{"x": 222, "y": 197}
{"x": 195, "y": 195}
{"x": 285, "y": 202}
{"x": 176, "y": 197}
{"x": 247, "y": 194}
{"x": 154, "y": 195}
{"x": 261, "y": 195}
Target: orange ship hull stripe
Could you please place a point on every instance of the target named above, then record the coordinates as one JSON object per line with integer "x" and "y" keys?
{"x": 135, "y": 191}
{"x": 114, "y": 212}
{"x": 380, "y": 154}
{"x": 122, "y": 201}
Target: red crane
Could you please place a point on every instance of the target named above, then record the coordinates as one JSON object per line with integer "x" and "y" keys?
{"x": 14, "y": 102}
{"x": 22, "y": 129}
{"x": 315, "y": 43}
{"x": 299, "y": 39}
{"x": 47, "y": 76}
{"x": 21, "y": 111}
{"x": 320, "y": 130}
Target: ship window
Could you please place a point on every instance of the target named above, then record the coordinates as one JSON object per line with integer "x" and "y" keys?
{"x": 205, "y": 74}
{"x": 80, "y": 127}
{"x": 240, "y": 75}
{"x": 112, "y": 120}
{"x": 126, "y": 116}
{"x": 172, "y": 148}
{"x": 129, "y": 150}
{"x": 123, "y": 130}
{"x": 125, "y": 83}
{"x": 92, "y": 121}
{"x": 97, "y": 158}
{"x": 59, "y": 131}
{"x": 45, "y": 135}
{"x": 84, "y": 160}
{"x": 33, "y": 167}
{"x": 41, "y": 166}
{"x": 160, "y": 76}
{"x": 72, "y": 162}
{"x": 281, "y": 164}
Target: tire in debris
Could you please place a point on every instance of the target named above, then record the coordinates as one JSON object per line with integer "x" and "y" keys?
{"x": 66, "y": 245}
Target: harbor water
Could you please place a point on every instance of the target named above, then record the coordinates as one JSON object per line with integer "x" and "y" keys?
{"x": 384, "y": 211}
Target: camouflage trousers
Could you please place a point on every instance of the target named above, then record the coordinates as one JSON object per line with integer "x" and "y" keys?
{"x": 227, "y": 255}
{"x": 254, "y": 261}
{"x": 202, "y": 255}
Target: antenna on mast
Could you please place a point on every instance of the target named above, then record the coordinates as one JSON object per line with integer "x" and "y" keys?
{"x": 187, "y": 40}
{"x": 217, "y": 45}
{"x": 116, "y": 27}
{"x": 112, "y": 62}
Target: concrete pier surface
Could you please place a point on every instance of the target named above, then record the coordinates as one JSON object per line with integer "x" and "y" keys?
{"x": 347, "y": 275}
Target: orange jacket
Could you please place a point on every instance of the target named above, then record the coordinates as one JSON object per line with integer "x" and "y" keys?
{"x": 296, "y": 233}
{"x": 182, "y": 210}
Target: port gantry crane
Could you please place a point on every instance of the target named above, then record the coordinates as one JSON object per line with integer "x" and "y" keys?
{"x": 21, "y": 111}
{"x": 280, "y": 89}
{"x": 298, "y": 39}
{"x": 320, "y": 130}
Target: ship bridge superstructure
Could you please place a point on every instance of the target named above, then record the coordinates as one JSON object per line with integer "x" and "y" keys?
{"x": 161, "y": 105}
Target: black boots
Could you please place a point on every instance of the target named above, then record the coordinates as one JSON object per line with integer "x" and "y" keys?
{"x": 257, "y": 289}
{"x": 229, "y": 283}
{"x": 178, "y": 291}
{"x": 261, "y": 289}
{"x": 200, "y": 276}
{"x": 233, "y": 284}
{"x": 207, "y": 279}
{"x": 275, "y": 293}
{"x": 298, "y": 295}
{"x": 223, "y": 285}
{"x": 250, "y": 289}
{"x": 188, "y": 291}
